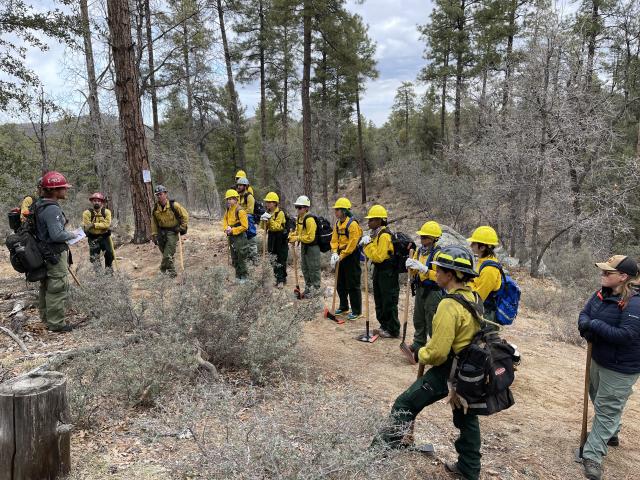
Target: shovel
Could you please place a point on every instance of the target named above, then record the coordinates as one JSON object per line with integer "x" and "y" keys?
{"x": 366, "y": 337}
{"x": 327, "y": 313}
{"x": 113, "y": 252}
{"x": 296, "y": 291}
{"x": 404, "y": 348}
{"x": 181, "y": 251}
{"x": 585, "y": 405}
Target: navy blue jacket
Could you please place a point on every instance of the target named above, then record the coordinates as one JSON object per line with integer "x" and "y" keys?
{"x": 616, "y": 331}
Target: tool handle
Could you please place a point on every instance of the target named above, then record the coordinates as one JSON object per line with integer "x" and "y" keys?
{"x": 335, "y": 288}
{"x": 585, "y": 398}
{"x": 420, "y": 370}
{"x": 366, "y": 289}
{"x": 180, "y": 251}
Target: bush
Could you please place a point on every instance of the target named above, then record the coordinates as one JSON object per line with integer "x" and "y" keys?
{"x": 294, "y": 431}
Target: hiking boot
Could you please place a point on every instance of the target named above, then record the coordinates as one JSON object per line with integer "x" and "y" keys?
{"x": 353, "y": 316}
{"x": 65, "y": 329}
{"x": 614, "y": 441}
{"x": 341, "y": 311}
{"x": 452, "y": 467}
{"x": 592, "y": 469}
{"x": 382, "y": 333}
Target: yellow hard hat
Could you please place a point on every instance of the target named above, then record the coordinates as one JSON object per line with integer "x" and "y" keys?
{"x": 231, "y": 193}
{"x": 342, "y": 202}
{"x": 377, "y": 211}
{"x": 485, "y": 235}
{"x": 430, "y": 229}
{"x": 241, "y": 173}
{"x": 272, "y": 197}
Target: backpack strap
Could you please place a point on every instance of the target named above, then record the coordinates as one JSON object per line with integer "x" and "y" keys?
{"x": 175, "y": 212}
{"x": 475, "y": 310}
{"x": 492, "y": 263}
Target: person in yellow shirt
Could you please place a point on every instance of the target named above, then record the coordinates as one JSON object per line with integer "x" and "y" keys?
{"x": 378, "y": 247}
{"x": 305, "y": 234}
{"x": 274, "y": 221}
{"x": 168, "y": 219}
{"x": 454, "y": 328}
{"x": 242, "y": 174}
{"x": 428, "y": 293}
{"x": 344, "y": 247}
{"x": 235, "y": 225}
{"x": 483, "y": 241}
{"x": 96, "y": 223}
{"x": 248, "y": 203}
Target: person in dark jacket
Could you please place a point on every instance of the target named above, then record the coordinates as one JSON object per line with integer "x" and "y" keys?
{"x": 610, "y": 321}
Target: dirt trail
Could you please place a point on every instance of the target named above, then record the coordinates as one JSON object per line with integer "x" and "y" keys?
{"x": 534, "y": 439}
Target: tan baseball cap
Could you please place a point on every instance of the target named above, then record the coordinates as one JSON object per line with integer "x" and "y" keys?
{"x": 620, "y": 263}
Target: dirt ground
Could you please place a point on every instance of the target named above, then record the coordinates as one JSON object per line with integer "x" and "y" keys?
{"x": 533, "y": 440}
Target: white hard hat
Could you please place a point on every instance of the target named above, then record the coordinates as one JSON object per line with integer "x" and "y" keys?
{"x": 303, "y": 201}
{"x": 242, "y": 181}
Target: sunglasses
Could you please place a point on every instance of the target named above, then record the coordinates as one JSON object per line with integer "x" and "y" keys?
{"x": 606, "y": 273}
{"x": 298, "y": 207}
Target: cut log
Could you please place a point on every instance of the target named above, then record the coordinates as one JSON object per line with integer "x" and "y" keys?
{"x": 35, "y": 433}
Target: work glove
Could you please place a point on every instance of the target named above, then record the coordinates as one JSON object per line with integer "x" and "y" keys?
{"x": 183, "y": 231}
{"x": 293, "y": 238}
{"x": 584, "y": 326}
{"x": 227, "y": 231}
{"x": 154, "y": 239}
{"x": 414, "y": 264}
{"x": 265, "y": 217}
{"x": 335, "y": 258}
{"x": 365, "y": 240}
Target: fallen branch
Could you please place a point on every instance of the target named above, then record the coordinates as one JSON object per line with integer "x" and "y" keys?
{"x": 204, "y": 364}
{"x": 16, "y": 339}
{"x": 59, "y": 360}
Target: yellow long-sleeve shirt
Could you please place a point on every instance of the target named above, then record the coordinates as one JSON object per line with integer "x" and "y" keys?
{"x": 343, "y": 244}
{"x": 101, "y": 224}
{"x": 276, "y": 223}
{"x": 380, "y": 248}
{"x": 422, "y": 258}
{"x": 305, "y": 231}
{"x": 248, "y": 202}
{"x": 489, "y": 280}
{"x": 163, "y": 217}
{"x": 236, "y": 218}
{"x": 453, "y": 328}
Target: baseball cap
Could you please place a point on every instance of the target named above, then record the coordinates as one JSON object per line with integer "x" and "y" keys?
{"x": 621, "y": 263}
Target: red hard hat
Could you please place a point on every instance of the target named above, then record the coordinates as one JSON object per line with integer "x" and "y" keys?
{"x": 54, "y": 179}
{"x": 97, "y": 196}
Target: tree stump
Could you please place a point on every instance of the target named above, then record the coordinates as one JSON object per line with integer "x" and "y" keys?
{"x": 34, "y": 431}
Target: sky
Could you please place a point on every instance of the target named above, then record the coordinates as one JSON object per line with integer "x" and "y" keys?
{"x": 392, "y": 25}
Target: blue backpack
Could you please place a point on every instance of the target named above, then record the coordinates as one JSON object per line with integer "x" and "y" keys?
{"x": 507, "y": 297}
{"x": 252, "y": 231}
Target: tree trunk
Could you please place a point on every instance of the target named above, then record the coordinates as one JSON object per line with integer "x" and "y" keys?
{"x": 35, "y": 434}
{"x": 211, "y": 189}
{"x": 443, "y": 101}
{"x": 459, "y": 80}
{"x": 263, "y": 99}
{"x": 363, "y": 178}
{"x": 133, "y": 133}
{"x": 307, "y": 169}
{"x": 539, "y": 178}
{"x": 95, "y": 117}
{"x": 152, "y": 74}
{"x": 506, "y": 89}
{"x": 234, "y": 109}
{"x": 591, "y": 43}
{"x": 323, "y": 128}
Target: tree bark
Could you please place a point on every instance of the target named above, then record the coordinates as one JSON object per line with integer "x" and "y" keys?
{"x": 443, "y": 101}
{"x": 506, "y": 89}
{"x": 460, "y": 26}
{"x": 95, "y": 118}
{"x": 363, "y": 178}
{"x": 35, "y": 433}
{"x": 152, "y": 73}
{"x": 307, "y": 169}
{"x": 133, "y": 133}
{"x": 263, "y": 99}
{"x": 323, "y": 128}
{"x": 591, "y": 43}
{"x": 234, "y": 110}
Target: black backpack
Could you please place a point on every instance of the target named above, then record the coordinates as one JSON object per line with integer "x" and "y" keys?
{"x": 402, "y": 245}
{"x": 483, "y": 371}
{"x": 25, "y": 250}
{"x": 324, "y": 231}
{"x": 258, "y": 210}
{"x": 156, "y": 207}
{"x": 289, "y": 222}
